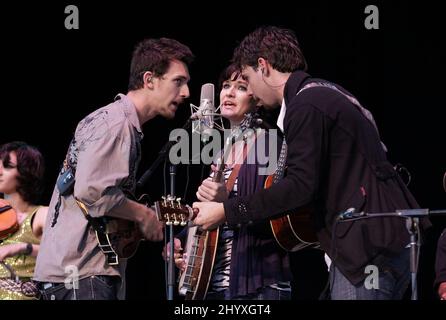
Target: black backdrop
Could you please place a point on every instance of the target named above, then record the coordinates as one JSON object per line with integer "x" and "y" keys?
{"x": 53, "y": 77}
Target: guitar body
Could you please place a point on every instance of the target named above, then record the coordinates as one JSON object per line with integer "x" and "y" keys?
{"x": 293, "y": 232}
{"x": 201, "y": 248}
{"x": 119, "y": 238}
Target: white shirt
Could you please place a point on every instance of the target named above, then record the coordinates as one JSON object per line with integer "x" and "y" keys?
{"x": 281, "y": 115}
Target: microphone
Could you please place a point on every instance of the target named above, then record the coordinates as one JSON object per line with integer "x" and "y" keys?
{"x": 204, "y": 116}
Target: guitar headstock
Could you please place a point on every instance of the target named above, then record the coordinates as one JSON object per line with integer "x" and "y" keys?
{"x": 171, "y": 211}
{"x": 252, "y": 120}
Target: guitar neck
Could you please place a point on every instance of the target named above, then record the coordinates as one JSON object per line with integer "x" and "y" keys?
{"x": 281, "y": 164}
{"x": 218, "y": 175}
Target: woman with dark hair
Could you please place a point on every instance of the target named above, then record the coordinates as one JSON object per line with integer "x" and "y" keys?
{"x": 21, "y": 182}
{"x": 248, "y": 263}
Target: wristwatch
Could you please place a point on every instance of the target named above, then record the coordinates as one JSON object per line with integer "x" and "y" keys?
{"x": 28, "y": 249}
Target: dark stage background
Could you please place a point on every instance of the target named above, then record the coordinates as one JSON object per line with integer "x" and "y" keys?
{"x": 53, "y": 77}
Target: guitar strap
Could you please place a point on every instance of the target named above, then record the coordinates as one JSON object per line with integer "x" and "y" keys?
{"x": 93, "y": 222}
{"x": 366, "y": 113}
{"x": 65, "y": 183}
{"x": 236, "y": 169}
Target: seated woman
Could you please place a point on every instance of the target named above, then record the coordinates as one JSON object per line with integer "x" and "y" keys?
{"x": 21, "y": 182}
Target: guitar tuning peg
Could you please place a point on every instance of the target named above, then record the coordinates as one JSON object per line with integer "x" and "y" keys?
{"x": 167, "y": 218}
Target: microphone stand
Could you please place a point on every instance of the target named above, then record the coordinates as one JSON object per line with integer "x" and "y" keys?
{"x": 161, "y": 156}
{"x": 412, "y": 224}
{"x": 142, "y": 182}
{"x": 171, "y": 269}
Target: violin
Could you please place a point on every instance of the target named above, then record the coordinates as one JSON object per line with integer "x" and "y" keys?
{"x": 8, "y": 220}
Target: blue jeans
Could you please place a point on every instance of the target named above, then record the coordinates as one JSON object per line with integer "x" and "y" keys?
{"x": 265, "y": 293}
{"x": 392, "y": 282}
{"x": 91, "y": 288}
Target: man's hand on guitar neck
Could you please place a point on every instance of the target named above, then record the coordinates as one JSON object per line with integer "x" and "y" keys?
{"x": 151, "y": 227}
{"x": 210, "y": 215}
{"x": 147, "y": 220}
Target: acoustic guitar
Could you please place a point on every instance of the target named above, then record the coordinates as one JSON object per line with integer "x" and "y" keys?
{"x": 119, "y": 238}
{"x": 294, "y": 231}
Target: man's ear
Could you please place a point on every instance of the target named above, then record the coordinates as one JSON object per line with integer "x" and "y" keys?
{"x": 263, "y": 66}
{"x": 148, "y": 79}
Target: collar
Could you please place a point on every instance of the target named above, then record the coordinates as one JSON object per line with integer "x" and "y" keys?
{"x": 281, "y": 116}
{"x": 130, "y": 111}
{"x": 293, "y": 85}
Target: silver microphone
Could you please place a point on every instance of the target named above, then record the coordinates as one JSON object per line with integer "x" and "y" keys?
{"x": 204, "y": 116}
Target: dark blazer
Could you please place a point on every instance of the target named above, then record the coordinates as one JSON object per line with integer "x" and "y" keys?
{"x": 335, "y": 162}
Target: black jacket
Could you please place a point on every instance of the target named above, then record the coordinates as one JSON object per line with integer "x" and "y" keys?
{"x": 335, "y": 161}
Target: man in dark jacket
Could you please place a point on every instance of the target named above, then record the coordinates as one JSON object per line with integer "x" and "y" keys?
{"x": 335, "y": 162}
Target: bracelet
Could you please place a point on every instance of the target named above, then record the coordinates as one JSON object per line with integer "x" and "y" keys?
{"x": 28, "y": 249}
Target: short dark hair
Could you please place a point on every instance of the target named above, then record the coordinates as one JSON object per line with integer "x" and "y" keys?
{"x": 226, "y": 74}
{"x": 155, "y": 55}
{"x": 277, "y": 45}
{"x": 31, "y": 168}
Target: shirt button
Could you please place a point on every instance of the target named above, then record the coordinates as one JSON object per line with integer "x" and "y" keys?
{"x": 242, "y": 208}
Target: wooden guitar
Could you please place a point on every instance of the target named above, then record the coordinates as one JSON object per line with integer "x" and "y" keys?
{"x": 119, "y": 238}
{"x": 292, "y": 232}
{"x": 201, "y": 246}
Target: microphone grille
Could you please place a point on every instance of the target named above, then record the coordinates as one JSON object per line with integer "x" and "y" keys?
{"x": 207, "y": 92}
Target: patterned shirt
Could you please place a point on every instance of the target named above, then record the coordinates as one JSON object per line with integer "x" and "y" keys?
{"x": 105, "y": 151}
